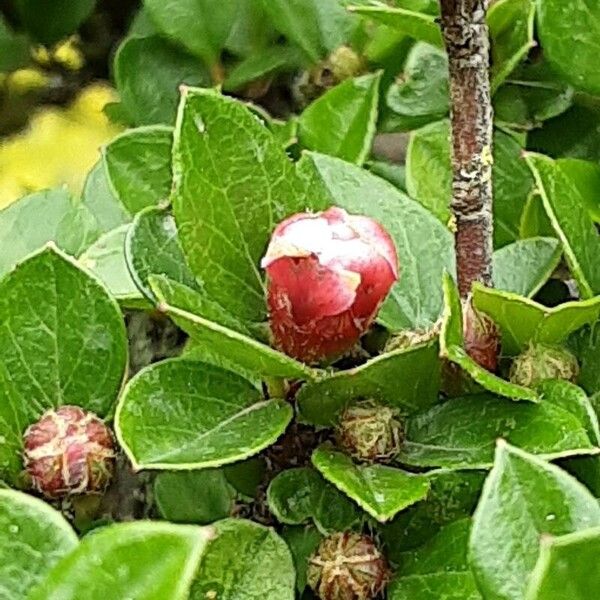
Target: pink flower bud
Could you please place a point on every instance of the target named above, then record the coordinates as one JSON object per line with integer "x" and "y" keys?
{"x": 328, "y": 274}
{"x": 69, "y": 451}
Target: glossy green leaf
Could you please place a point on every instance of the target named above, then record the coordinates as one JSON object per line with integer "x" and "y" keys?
{"x": 569, "y": 216}
{"x": 229, "y": 194}
{"x": 566, "y": 567}
{"x": 462, "y": 432}
{"x": 33, "y": 538}
{"x": 50, "y": 20}
{"x": 302, "y": 542}
{"x": 246, "y": 561}
{"x": 525, "y": 265}
{"x": 181, "y": 414}
{"x": 523, "y": 499}
{"x": 245, "y": 476}
{"x": 522, "y": 321}
{"x": 106, "y": 259}
{"x": 511, "y": 30}
{"x": 320, "y": 401}
{"x": 380, "y": 490}
{"x": 439, "y": 570}
{"x": 148, "y": 72}
{"x": 429, "y": 177}
{"x": 138, "y": 166}
{"x": 415, "y": 301}
{"x": 342, "y": 121}
{"x": 585, "y": 176}
{"x": 150, "y": 559}
{"x": 193, "y": 496}
{"x": 62, "y": 341}
{"x": 561, "y": 24}
{"x": 418, "y": 25}
{"x": 299, "y": 495}
{"x": 152, "y": 247}
{"x": 200, "y": 26}
{"x": 585, "y": 344}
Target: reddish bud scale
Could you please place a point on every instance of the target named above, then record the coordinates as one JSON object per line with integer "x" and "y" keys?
{"x": 328, "y": 274}
{"x": 482, "y": 337}
{"x": 69, "y": 451}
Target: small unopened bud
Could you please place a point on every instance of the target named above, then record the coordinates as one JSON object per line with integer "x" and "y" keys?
{"x": 347, "y": 566}
{"x": 409, "y": 338}
{"x": 482, "y": 337}
{"x": 543, "y": 361}
{"x": 370, "y": 432}
{"x": 69, "y": 451}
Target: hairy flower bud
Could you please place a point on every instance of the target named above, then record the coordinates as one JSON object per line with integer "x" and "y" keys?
{"x": 369, "y": 431}
{"x": 347, "y": 566}
{"x": 482, "y": 337}
{"x": 328, "y": 274}
{"x": 69, "y": 451}
{"x": 543, "y": 361}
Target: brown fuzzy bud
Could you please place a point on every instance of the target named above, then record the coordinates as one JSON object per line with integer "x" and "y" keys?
{"x": 347, "y": 566}
{"x": 482, "y": 337}
{"x": 408, "y": 338}
{"x": 543, "y": 361}
{"x": 69, "y": 451}
{"x": 370, "y": 432}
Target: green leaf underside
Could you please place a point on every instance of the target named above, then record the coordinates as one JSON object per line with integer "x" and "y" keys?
{"x": 299, "y": 495}
{"x": 438, "y": 570}
{"x": 522, "y": 321}
{"x": 342, "y": 122}
{"x": 452, "y": 342}
{"x": 380, "y": 490}
{"x": 150, "y": 560}
{"x": 246, "y": 561}
{"x": 407, "y": 379}
{"x": 566, "y": 567}
{"x": 152, "y": 248}
{"x": 525, "y": 265}
{"x": 571, "y": 220}
{"x": 33, "y": 538}
{"x": 182, "y": 414}
{"x": 62, "y": 341}
{"x": 523, "y": 499}
{"x": 462, "y": 432}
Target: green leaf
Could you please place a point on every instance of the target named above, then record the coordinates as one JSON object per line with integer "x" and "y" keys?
{"x": 245, "y": 188}
{"x": 33, "y": 538}
{"x": 62, "y": 341}
{"x": 429, "y": 178}
{"x": 302, "y": 542}
{"x": 106, "y": 259}
{"x": 567, "y": 211}
{"x": 566, "y": 567}
{"x": 342, "y": 121}
{"x": 585, "y": 176}
{"x": 152, "y": 560}
{"x": 247, "y": 475}
{"x": 462, "y": 432}
{"x": 522, "y": 321}
{"x": 511, "y": 24}
{"x": 138, "y": 166}
{"x": 415, "y": 301}
{"x": 420, "y": 26}
{"x": 523, "y": 499}
{"x": 317, "y": 26}
{"x": 452, "y": 348}
{"x": 148, "y": 72}
{"x": 14, "y": 48}
{"x": 50, "y": 20}
{"x": 380, "y": 490}
{"x": 585, "y": 344}
{"x": 525, "y": 265}
{"x": 421, "y": 96}
{"x": 298, "y": 495}
{"x": 320, "y": 401}
{"x": 558, "y": 27}
{"x": 439, "y": 570}
{"x": 246, "y": 561}
{"x": 193, "y": 496}
{"x": 200, "y": 416}
{"x": 200, "y": 26}
{"x": 152, "y": 247}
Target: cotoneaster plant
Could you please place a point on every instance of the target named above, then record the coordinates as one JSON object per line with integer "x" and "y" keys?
{"x": 253, "y": 361}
